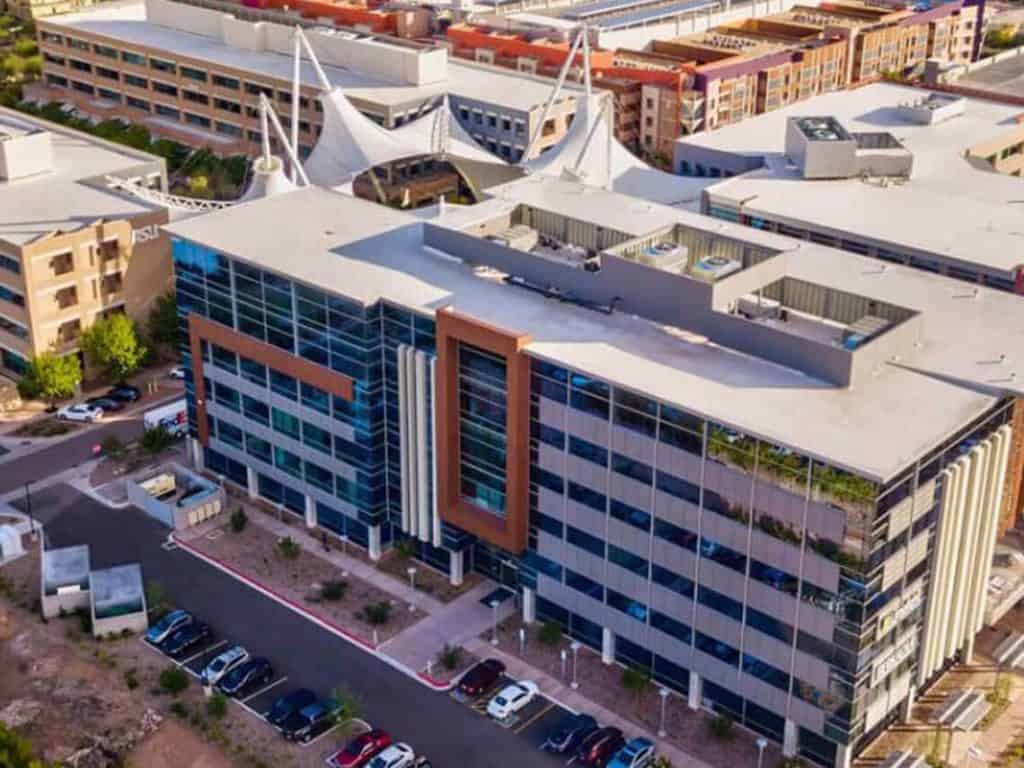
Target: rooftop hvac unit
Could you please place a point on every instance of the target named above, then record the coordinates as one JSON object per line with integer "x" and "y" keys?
{"x": 759, "y": 308}
{"x": 713, "y": 268}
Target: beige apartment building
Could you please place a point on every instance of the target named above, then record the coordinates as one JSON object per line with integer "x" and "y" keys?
{"x": 195, "y": 76}
{"x": 754, "y": 66}
{"x": 40, "y": 9}
{"x": 72, "y": 249}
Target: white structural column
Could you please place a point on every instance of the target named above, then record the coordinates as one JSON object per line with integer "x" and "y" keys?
{"x": 695, "y": 691}
{"x": 251, "y": 485}
{"x": 417, "y": 438}
{"x": 607, "y": 646}
{"x": 310, "y": 512}
{"x": 790, "y": 739}
{"x": 374, "y": 542}
{"x": 456, "y": 567}
{"x": 529, "y": 606}
{"x": 968, "y": 525}
{"x": 195, "y": 452}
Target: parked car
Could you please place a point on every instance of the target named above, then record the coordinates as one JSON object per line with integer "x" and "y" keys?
{"x": 481, "y": 677}
{"x": 223, "y": 664}
{"x": 597, "y": 749}
{"x": 80, "y": 412}
{"x": 177, "y": 372}
{"x": 568, "y": 734}
{"x": 638, "y": 753}
{"x": 289, "y": 704}
{"x": 361, "y": 749}
{"x": 105, "y": 404}
{"x": 512, "y": 698}
{"x": 167, "y": 626}
{"x": 125, "y": 393}
{"x": 309, "y": 722}
{"x": 398, "y": 755}
{"x": 245, "y": 677}
{"x": 181, "y": 641}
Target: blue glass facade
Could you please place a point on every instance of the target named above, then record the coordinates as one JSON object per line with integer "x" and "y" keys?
{"x": 713, "y": 558}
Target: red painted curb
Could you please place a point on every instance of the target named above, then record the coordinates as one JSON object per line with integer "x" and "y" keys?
{"x": 300, "y": 608}
{"x": 433, "y": 682}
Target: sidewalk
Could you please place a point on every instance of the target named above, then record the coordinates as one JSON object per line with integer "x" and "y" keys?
{"x": 458, "y": 623}
{"x": 578, "y": 702}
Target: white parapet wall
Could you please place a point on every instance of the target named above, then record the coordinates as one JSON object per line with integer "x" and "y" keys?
{"x": 359, "y": 53}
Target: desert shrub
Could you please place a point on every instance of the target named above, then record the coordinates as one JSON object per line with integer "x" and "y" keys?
{"x": 173, "y": 680}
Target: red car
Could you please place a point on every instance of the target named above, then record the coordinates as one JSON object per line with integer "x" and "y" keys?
{"x": 599, "y": 747}
{"x": 359, "y": 751}
{"x": 481, "y": 678}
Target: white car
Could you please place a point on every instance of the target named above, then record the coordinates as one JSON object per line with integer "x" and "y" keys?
{"x": 223, "y": 664}
{"x": 80, "y": 412}
{"x": 177, "y": 372}
{"x": 512, "y": 698}
{"x": 398, "y": 755}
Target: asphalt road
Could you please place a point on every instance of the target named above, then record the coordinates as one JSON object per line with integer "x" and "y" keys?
{"x": 450, "y": 734}
{"x": 65, "y": 453}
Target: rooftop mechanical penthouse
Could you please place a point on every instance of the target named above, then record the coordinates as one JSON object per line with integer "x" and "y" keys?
{"x": 734, "y": 458}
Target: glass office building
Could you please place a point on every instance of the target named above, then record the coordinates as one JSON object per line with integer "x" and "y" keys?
{"x": 794, "y": 590}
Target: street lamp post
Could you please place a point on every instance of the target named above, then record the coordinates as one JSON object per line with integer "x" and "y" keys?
{"x": 762, "y": 743}
{"x": 663, "y": 693}
{"x": 575, "y": 657}
{"x": 344, "y": 553}
{"x": 522, "y": 641}
{"x": 494, "y": 622}
{"x": 565, "y": 659}
{"x": 412, "y": 585}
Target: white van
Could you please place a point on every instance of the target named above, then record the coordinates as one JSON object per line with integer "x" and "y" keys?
{"x": 173, "y": 417}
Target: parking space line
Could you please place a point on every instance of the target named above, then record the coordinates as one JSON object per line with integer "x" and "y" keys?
{"x": 530, "y": 721}
{"x": 195, "y": 656}
{"x": 264, "y": 689}
{"x": 251, "y": 711}
{"x": 334, "y": 727}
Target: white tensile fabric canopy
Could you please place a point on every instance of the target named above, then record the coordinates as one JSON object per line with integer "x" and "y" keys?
{"x": 422, "y": 133}
{"x": 350, "y": 143}
{"x": 590, "y": 154}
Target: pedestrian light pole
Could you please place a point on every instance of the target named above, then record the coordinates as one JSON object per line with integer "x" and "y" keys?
{"x": 663, "y": 693}
{"x": 575, "y": 647}
{"x": 762, "y": 743}
{"x": 412, "y": 585}
{"x": 494, "y": 622}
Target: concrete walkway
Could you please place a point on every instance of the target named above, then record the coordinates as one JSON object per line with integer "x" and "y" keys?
{"x": 459, "y": 622}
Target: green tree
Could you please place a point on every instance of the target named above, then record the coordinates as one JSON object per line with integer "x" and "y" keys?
{"x": 349, "y": 705}
{"x": 51, "y": 377}
{"x": 26, "y": 47}
{"x": 34, "y": 66}
{"x": 550, "y": 633}
{"x": 12, "y": 66}
{"x": 113, "y": 346}
{"x": 163, "y": 320}
{"x": 16, "y": 752}
{"x": 173, "y": 680}
{"x": 137, "y": 137}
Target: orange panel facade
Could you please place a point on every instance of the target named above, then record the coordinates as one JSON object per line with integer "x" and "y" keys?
{"x": 508, "y": 532}
{"x": 202, "y": 329}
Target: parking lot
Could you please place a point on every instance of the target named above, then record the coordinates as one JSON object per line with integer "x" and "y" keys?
{"x": 532, "y": 724}
{"x": 258, "y": 701}
{"x": 450, "y": 734}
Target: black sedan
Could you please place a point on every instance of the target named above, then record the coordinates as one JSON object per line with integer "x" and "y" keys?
{"x": 183, "y": 640}
{"x": 481, "y": 678}
{"x": 569, "y": 734}
{"x": 288, "y": 705}
{"x": 310, "y": 721}
{"x": 246, "y": 677}
{"x": 124, "y": 393}
{"x": 105, "y": 404}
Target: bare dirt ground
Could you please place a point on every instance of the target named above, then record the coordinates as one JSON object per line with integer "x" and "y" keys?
{"x": 98, "y": 704}
{"x": 255, "y": 553}
{"x": 602, "y": 683}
